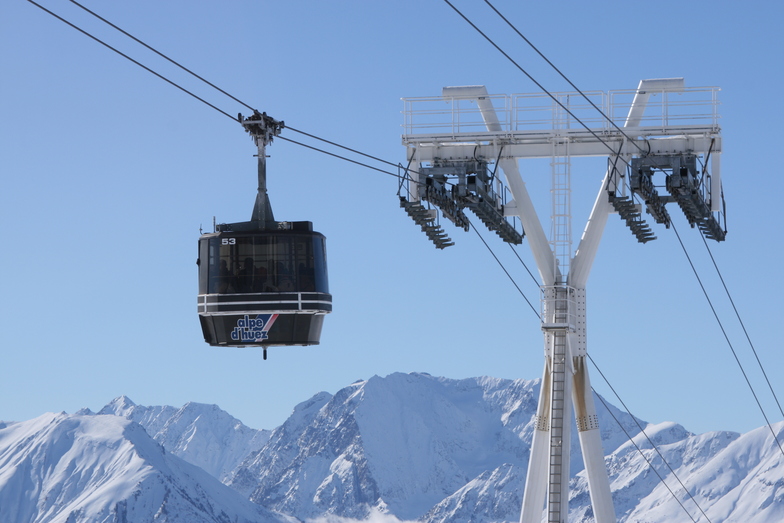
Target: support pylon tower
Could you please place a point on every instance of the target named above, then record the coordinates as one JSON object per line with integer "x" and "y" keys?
{"x": 649, "y": 128}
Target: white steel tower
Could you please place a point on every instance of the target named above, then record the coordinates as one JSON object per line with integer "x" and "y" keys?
{"x": 661, "y": 129}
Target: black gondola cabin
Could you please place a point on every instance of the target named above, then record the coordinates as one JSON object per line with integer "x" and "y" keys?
{"x": 263, "y": 287}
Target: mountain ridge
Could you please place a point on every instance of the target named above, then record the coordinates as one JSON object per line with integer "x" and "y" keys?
{"x": 403, "y": 447}
{"x": 77, "y": 468}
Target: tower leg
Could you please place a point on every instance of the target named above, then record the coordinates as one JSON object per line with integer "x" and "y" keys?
{"x": 536, "y": 478}
{"x": 591, "y": 444}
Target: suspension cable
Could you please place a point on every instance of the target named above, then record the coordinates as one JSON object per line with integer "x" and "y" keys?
{"x": 221, "y": 91}
{"x": 507, "y": 273}
{"x": 403, "y": 177}
{"x": 131, "y": 59}
{"x": 540, "y": 86}
{"x": 631, "y": 439}
{"x": 740, "y": 320}
{"x": 346, "y": 148}
{"x": 560, "y": 73}
{"x": 726, "y": 337}
{"x": 129, "y": 35}
{"x": 642, "y": 430}
{"x": 561, "y": 105}
{"x": 524, "y": 265}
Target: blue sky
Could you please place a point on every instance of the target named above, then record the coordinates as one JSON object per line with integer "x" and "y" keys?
{"x": 108, "y": 173}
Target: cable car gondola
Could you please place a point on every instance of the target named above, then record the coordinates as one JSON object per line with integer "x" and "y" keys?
{"x": 263, "y": 282}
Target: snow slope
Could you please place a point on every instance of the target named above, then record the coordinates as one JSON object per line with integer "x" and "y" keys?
{"x": 403, "y": 447}
{"x": 61, "y": 468}
{"x": 407, "y": 443}
{"x": 201, "y": 434}
{"x": 440, "y": 450}
{"x": 731, "y": 477}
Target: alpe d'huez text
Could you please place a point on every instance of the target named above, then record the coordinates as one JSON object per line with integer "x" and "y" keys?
{"x": 408, "y": 447}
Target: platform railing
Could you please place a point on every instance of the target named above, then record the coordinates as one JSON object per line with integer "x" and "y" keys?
{"x": 536, "y": 113}
{"x": 559, "y": 308}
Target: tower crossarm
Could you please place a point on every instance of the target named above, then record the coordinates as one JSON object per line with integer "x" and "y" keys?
{"x": 458, "y": 147}
{"x": 660, "y": 116}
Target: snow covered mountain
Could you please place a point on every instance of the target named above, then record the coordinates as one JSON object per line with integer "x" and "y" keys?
{"x": 61, "y": 468}
{"x": 417, "y": 446}
{"x": 201, "y": 434}
{"x": 408, "y": 446}
{"x": 724, "y": 476}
